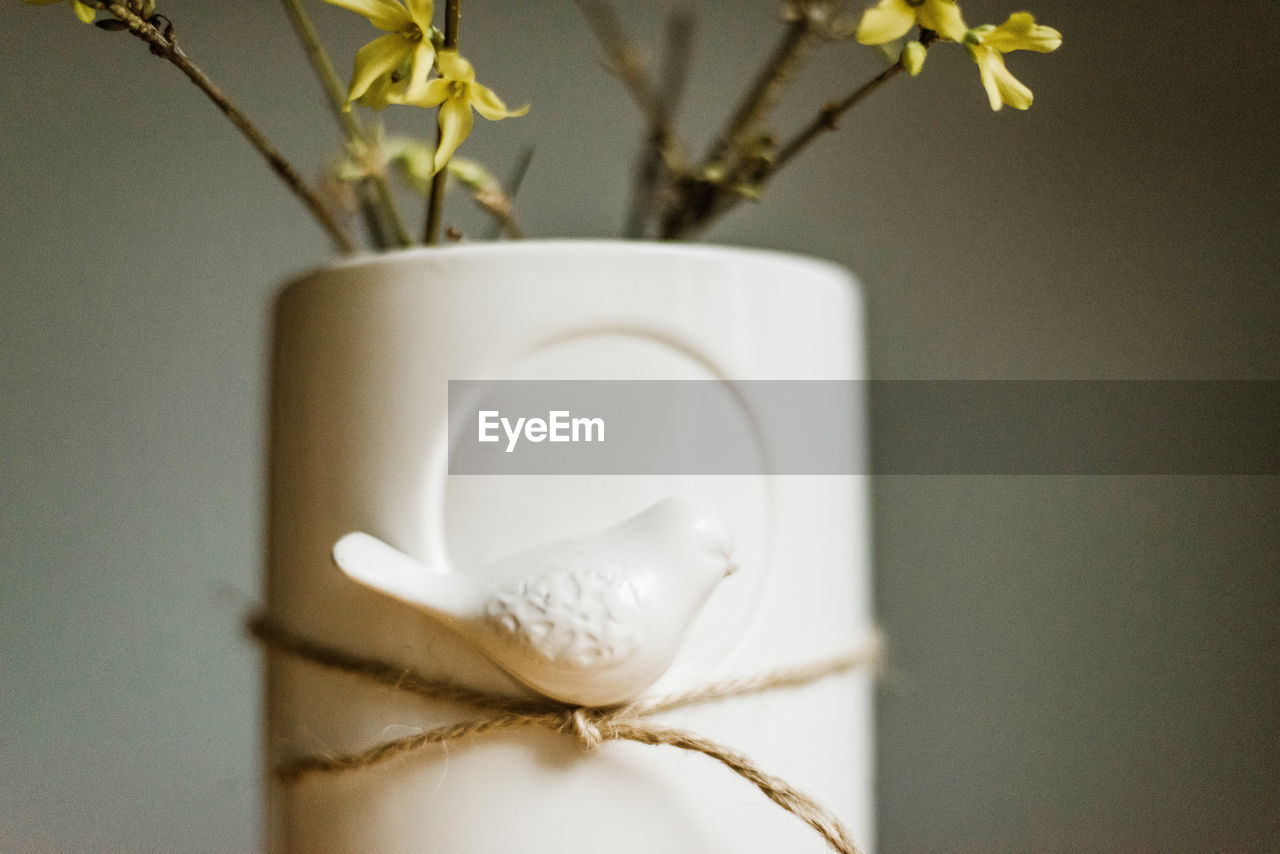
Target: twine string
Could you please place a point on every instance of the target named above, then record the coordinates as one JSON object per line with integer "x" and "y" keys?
{"x": 590, "y": 726}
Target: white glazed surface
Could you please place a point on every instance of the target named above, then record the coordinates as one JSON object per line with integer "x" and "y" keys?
{"x": 363, "y": 354}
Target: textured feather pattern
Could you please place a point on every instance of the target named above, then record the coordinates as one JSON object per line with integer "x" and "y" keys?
{"x": 587, "y": 616}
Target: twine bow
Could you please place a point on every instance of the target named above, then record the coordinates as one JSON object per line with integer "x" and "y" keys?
{"x": 590, "y": 726}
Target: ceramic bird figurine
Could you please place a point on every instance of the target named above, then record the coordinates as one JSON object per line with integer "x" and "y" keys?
{"x": 592, "y": 619}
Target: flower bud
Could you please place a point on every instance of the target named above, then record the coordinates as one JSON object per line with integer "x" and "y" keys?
{"x": 912, "y": 58}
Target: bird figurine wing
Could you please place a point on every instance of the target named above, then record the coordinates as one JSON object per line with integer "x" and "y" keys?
{"x": 575, "y": 615}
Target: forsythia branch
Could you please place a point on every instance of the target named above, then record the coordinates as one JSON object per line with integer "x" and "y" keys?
{"x": 799, "y": 36}
{"x": 382, "y": 206}
{"x": 830, "y": 113}
{"x": 164, "y": 46}
{"x": 435, "y": 199}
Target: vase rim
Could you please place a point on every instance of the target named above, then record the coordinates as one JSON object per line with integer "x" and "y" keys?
{"x": 539, "y": 246}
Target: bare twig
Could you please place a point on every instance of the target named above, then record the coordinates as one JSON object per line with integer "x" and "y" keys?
{"x": 435, "y": 200}
{"x": 623, "y": 60}
{"x": 382, "y": 205}
{"x": 828, "y": 116}
{"x": 675, "y": 58}
{"x": 649, "y": 169}
{"x": 489, "y": 195}
{"x": 701, "y": 202}
{"x": 508, "y": 223}
{"x": 163, "y": 46}
{"x": 499, "y": 207}
{"x": 323, "y": 66}
{"x": 778, "y": 70}
{"x": 738, "y": 157}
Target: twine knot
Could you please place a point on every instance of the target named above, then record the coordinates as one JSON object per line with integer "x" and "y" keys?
{"x": 586, "y": 724}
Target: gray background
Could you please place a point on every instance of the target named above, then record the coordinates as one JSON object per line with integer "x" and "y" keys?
{"x": 1078, "y": 663}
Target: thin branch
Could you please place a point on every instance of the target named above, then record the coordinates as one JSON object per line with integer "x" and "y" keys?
{"x": 624, "y": 61}
{"x": 351, "y": 126}
{"x": 165, "y": 48}
{"x": 644, "y": 192}
{"x": 495, "y": 202}
{"x": 435, "y": 201}
{"x": 736, "y": 161}
{"x": 773, "y": 78}
{"x": 513, "y": 185}
{"x": 323, "y": 66}
{"x": 499, "y": 209}
{"x": 676, "y": 57}
{"x": 622, "y": 58}
{"x": 828, "y": 117}
{"x": 387, "y": 204}
{"x": 681, "y": 222}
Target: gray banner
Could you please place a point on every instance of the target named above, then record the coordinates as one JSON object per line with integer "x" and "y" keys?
{"x": 872, "y": 427}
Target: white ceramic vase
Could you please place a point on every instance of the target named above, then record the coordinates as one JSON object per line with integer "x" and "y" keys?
{"x": 363, "y": 353}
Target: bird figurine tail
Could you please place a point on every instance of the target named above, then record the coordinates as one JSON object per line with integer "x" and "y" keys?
{"x": 375, "y": 564}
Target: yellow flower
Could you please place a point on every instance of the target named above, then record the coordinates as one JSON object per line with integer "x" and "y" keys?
{"x": 393, "y": 67}
{"x": 892, "y": 18}
{"x": 455, "y": 92}
{"x": 83, "y": 12}
{"x": 987, "y": 45}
